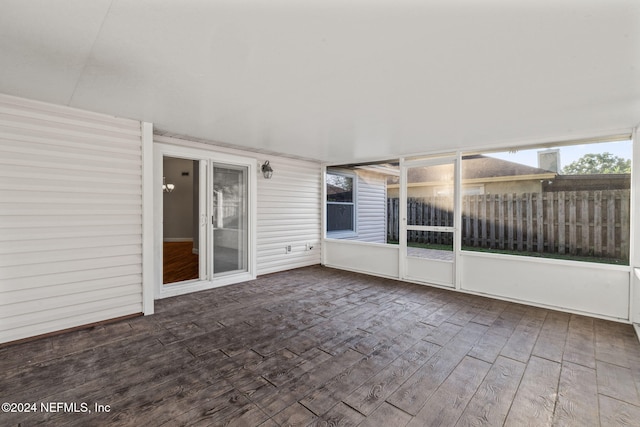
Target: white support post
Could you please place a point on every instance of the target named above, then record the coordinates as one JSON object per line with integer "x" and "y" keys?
{"x": 402, "y": 220}
{"x": 323, "y": 214}
{"x": 634, "y": 250}
{"x": 148, "y": 268}
{"x": 457, "y": 220}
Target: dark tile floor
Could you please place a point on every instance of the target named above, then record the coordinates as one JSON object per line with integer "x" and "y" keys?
{"x": 317, "y": 346}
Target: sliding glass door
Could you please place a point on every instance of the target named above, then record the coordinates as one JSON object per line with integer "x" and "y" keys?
{"x": 204, "y": 208}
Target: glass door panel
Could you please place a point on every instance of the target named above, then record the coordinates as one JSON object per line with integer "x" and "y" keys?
{"x": 230, "y": 219}
{"x": 430, "y": 221}
{"x": 181, "y": 209}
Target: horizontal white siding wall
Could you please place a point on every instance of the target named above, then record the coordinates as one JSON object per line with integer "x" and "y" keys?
{"x": 288, "y": 211}
{"x": 289, "y": 215}
{"x": 70, "y": 218}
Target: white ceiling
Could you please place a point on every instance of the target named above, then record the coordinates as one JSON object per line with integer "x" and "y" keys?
{"x": 334, "y": 80}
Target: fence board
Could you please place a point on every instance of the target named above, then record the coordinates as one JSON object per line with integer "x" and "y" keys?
{"x": 519, "y": 228}
{"x": 624, "y": 224}
{"x": 551, "y": 242}
{"x": 396, "y": 220}
{"x": 413, "y": 216}
{"x": 510, "y": 230}
{"x": 573, "y": 240}
{"x": 584, "y": 223}
{"x": 500, "y": 221}
{"x": 611, "y": 222}
{"x": 529, "y": 215}
{"x": 466, "y": 232}
{"x": 561, "y": 222}
{"x": 540, "y": 222}
{"x": 597, "y": 223}
{"x": 483, "y": 220}
{"x": 492, "y": 222}
{"x": 474, "y": 203}
{"x": 420, "y": 210}
{"x": 432, "y": 219}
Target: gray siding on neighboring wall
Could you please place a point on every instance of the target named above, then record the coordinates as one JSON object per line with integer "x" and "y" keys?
{"x": 372, "y": 207}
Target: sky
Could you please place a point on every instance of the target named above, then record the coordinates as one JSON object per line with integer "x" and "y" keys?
{"x": 568, "y": 154}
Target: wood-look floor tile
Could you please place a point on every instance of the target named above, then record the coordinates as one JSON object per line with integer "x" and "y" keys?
{"x": 418, "y": 388}
{"x": 609, "y": 344}
{"x": 534, "y": 403}
{"x": 294, "y": 416}
{"x": 616, "y": 413}
{"x": 339, "y": 416}
{"x": 580, "y": 345}
{"x": 617, "y": 382}
{"x": 552, "y": 337}
{"x": 489, "y": 345}
{"x": 386, "y": 415}
{"x": 491, "y": 402}
{"x": 577, "y": 403}
{"x": 373, "y": 392}
{"x": 524, "y": 336}
{"x": 446, "y": 405}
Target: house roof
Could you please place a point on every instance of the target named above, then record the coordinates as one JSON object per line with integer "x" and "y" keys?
{"x": 474, "y": 167}
{"x": 481, "y": 166}
{"x": 337, "y": 81}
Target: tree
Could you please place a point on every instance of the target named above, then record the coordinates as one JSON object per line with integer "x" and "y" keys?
{"x": 598, "y": 164}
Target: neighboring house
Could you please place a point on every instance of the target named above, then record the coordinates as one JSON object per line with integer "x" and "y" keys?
{"x": 480, "y": 175}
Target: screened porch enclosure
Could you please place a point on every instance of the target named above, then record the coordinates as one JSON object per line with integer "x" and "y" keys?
{"x": 519, "y": 216}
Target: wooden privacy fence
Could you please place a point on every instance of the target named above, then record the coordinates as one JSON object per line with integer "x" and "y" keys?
{"x": 585, "y": 223}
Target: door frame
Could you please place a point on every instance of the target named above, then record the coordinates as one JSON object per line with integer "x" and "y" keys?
{"x": 208, "y": 281}
{"x": 403, "y": 260}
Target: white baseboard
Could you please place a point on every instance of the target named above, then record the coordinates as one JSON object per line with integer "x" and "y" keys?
{"x": 178, "y": 239}
{"x": 195, "y": 251}
{"x": 636, "y": 326}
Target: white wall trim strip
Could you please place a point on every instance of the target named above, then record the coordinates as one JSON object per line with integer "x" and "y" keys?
{"x": 147, "y": 220}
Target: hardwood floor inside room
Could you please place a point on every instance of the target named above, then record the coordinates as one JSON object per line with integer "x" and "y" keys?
{"x": 322, "y": 347}
{"x": 179, "y": 263}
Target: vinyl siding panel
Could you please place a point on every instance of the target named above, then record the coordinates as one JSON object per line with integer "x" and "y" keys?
{"x": 70, "y": 218}
{"x": 289, "y": 215}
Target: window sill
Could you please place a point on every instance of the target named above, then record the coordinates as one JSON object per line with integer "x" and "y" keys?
{"x": 341, "y": 234}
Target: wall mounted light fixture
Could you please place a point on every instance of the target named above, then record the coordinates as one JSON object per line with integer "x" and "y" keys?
{"x": 267, "y": 171}
{"x": 167, "y": 188}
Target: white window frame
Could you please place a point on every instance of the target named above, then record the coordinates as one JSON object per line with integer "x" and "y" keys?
{"x": 341, "y": 234}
